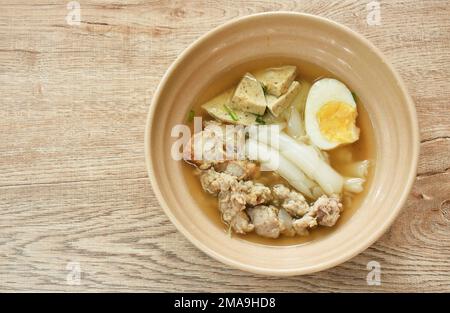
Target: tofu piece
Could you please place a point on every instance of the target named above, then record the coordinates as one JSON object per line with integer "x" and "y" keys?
{"x": 216, "y": 108}
{"x": 249, "y": 96}
{"x": 277, "y": 79}
{"x": 277, "y": 105}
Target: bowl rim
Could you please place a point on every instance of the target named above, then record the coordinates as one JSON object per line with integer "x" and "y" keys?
{"x": 326, "y": 264}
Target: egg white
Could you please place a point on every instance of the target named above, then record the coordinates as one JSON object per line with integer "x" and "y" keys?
{"x": 322, "y": 92}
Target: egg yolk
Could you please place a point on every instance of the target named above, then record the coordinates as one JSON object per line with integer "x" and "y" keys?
{"x": 336, "y": 121}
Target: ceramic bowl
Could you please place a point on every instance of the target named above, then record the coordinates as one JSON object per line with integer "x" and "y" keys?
{"x": 319, "y": 41}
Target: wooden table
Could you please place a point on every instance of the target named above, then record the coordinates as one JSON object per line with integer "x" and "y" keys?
{"x": 74, "y": 193}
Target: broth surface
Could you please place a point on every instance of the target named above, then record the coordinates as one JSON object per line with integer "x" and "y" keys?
{"x": 363, "y": 149}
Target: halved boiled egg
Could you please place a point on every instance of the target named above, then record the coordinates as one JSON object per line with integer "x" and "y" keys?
{"x": 330, "y": 114}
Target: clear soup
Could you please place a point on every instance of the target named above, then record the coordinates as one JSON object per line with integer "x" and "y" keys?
{"x": 363, "y": 149}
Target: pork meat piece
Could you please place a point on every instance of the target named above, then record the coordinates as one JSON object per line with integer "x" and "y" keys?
{"x": 280, "y": 191}
{"x": 286, "y": 227}
{"x": 206, "y": 148}
{"x": 230, "y": 204}
{"x": 265, "y": 219}
{"x": 241, "y": 169}
{"x": 327, "y": 210}
{"x": 302, "y": 225}
{"x": 292, "y": 201}
{"x": 214, "y": 182}
{"x": 296, "y": 205}
{"x": 241, "y": 223}
{"x": 255, "y": 193}
{"x": 221, "y": 148}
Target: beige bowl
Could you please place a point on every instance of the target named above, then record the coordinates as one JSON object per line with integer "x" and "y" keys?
{"x": 335, "y": 48}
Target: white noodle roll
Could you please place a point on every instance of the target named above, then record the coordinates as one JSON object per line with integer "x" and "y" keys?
{"x": 273, "y": 160}
{"x": 317, "y": 192}
{"x": 300, "y": 100}
{"x": 295, "y": 127}
{"x": 356, "y": 169}
{"x": 354, "y": 184}
{"x": 307, "y": 159}
{"x": 322, "y": 154}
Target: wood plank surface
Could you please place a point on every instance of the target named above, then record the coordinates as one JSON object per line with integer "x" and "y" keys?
{"x": 73, "y": 183}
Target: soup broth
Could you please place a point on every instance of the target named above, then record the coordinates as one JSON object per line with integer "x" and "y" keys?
{"x": 363, "y": 149}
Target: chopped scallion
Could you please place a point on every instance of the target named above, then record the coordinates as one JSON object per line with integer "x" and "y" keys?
{"x": 260, "y": 120}
{"x": 191, "y": 115}
{"x": 233, "y": 114}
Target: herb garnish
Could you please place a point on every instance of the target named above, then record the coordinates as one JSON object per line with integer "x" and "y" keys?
{"x": 191, "y": 115}
{"x": 260, "y": 120}
{"x": 233, "y": 114}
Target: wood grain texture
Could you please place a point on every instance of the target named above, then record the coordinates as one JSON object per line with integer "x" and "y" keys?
{"x": 73, "y": 183}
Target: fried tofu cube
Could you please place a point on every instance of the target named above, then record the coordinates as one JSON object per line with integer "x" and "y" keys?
{"x": 249, "y": 96}
{"x": 277, "y": 105}
{"x": 277, "y": 79}
{"x": 216, "y": 108}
